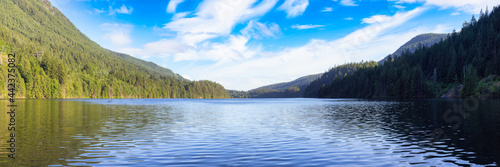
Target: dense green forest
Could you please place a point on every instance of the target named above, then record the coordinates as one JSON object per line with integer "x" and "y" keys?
{"x": 55, "y": 60}
{"x": 337, "y": 72}
{"x": 307, "y": 86}
{"x": 467, "y": 60}
{"x": 288, "y": 92}
{"x": 150, "y": 66}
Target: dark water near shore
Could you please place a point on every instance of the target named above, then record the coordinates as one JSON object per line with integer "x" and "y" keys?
{"x": 253, "y": 132}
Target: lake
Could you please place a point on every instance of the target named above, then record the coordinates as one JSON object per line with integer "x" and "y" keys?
{"x": 252, "y": 132}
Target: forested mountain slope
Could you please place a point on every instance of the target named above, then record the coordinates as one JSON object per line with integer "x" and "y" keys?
{"x": 55, "y": 60}
{"x": 337, "y": 72}
{"x": 148, "y": 65}
{"x": 464, "y": 58}
{"x": 299, "y": 82}
{"x": 426, "y": 40}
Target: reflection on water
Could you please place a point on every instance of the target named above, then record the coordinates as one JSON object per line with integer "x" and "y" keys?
{"x": 256, "y": 132}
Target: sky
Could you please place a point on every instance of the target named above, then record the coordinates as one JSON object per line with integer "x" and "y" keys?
{"x": 245, "y": 44}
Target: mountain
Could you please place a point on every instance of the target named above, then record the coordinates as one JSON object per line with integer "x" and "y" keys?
{"x": 466, "y": 62}
{"x": 426, "y": 40}
{"x": 290, "y": 89}
{"x": 55, "y": 60}
{"x": 299, "y": 82}
{"x": 309, "y": 86}
{"x": 337, "y": 72}
{"x": 149, "y": 65}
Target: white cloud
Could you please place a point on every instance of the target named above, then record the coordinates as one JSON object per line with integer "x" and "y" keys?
{"x": 469, "y": 6}
{"x": 213, "y": 19}
{"x": 133, "y": 52}
{"x": 406, "y": 1}
{"x": 376, "y": 19}
{"x": 308, "y": 26}
{"x": 216, "y": 18}
{"x": 166, "y": 47}
{"x": 232, "y": 50}
{"x": 122, "y": 10}
{"x": 294, "y": 8}
{"x": 99, "y": 11}
{"x": 172, "y": 5}
{"x": 186, "y": 77}
{"x": 399, "y": 6}
{"x": 348, "y": 18}
{"x": 348, "y": 3}
{"x": 261, "y": 68}
{"x": 455, "y": 13}
{"x": 118, "y": 34}
{"x": 327, "y": 9}
{"x": 181, "y": 15}
{"x": 235, "y": 62}
{"x": 162, "y": 32}
{"x": 464, "y": 5}
{"x": 259, "y": 30}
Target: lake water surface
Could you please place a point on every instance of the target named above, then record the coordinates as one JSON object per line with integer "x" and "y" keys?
{"x": 252, "y": 132}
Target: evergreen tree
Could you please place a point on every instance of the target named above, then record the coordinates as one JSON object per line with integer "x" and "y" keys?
{"x": 55, "y": 60}
{"x": 430, "y": 71}
{"x": 471, "y": 82}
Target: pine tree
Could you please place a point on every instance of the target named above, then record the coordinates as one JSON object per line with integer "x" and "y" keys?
{"x": 473, "y": 21}
{"x": 471, "y": 83}
{"x": 452, "y": 68}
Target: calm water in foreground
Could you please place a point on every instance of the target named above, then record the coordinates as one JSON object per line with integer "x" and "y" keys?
{"x": 253, "y": 132}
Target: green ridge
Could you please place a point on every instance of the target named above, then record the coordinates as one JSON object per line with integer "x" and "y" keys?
{"x": 70, "y": 65}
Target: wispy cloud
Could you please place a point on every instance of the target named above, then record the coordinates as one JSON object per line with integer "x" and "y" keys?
{"x": 407, "y": 1}
{"x": 186, "y": 76}
{"x": 294, "y": 8}
{"x": 122, "y": 10}
{"x": 327, "y": 9}
{"x": 172, "y": 5}
{"x": 117, "y": 34}
{"x": 213, "y": 19}
{"x": 348, "y": 18}
{"x": 308, "y": 26}
{"x": 232, "y": 59}
{"x": 236, "y": 62}
{"x": 234, "y": 49}
{"x": 260, "y": 30}
{"x": 376, "y": 19}
{"x": 348, "y": 3}
{"x": 455, "y": 13}
{"x": 180, "y": 15}
{"x": 98, "y": 11}
{"x": 399, "y": 6}
{"x": 216, "y": 18}
{"x": 472, "y": 6}
{"x": 252, "y": 66}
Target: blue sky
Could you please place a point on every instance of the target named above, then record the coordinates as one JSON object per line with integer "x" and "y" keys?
{"x": 244, "y": 44}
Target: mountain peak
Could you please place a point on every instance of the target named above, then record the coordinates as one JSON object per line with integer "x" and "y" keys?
{"x": 426, "y": 39}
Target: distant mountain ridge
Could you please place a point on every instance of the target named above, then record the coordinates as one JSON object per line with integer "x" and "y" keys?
{"x": 427, "y": 40}
{"x": 292, "y": 89}
{"x": 299, "y": 82}
{"x": 311, "y": 84}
